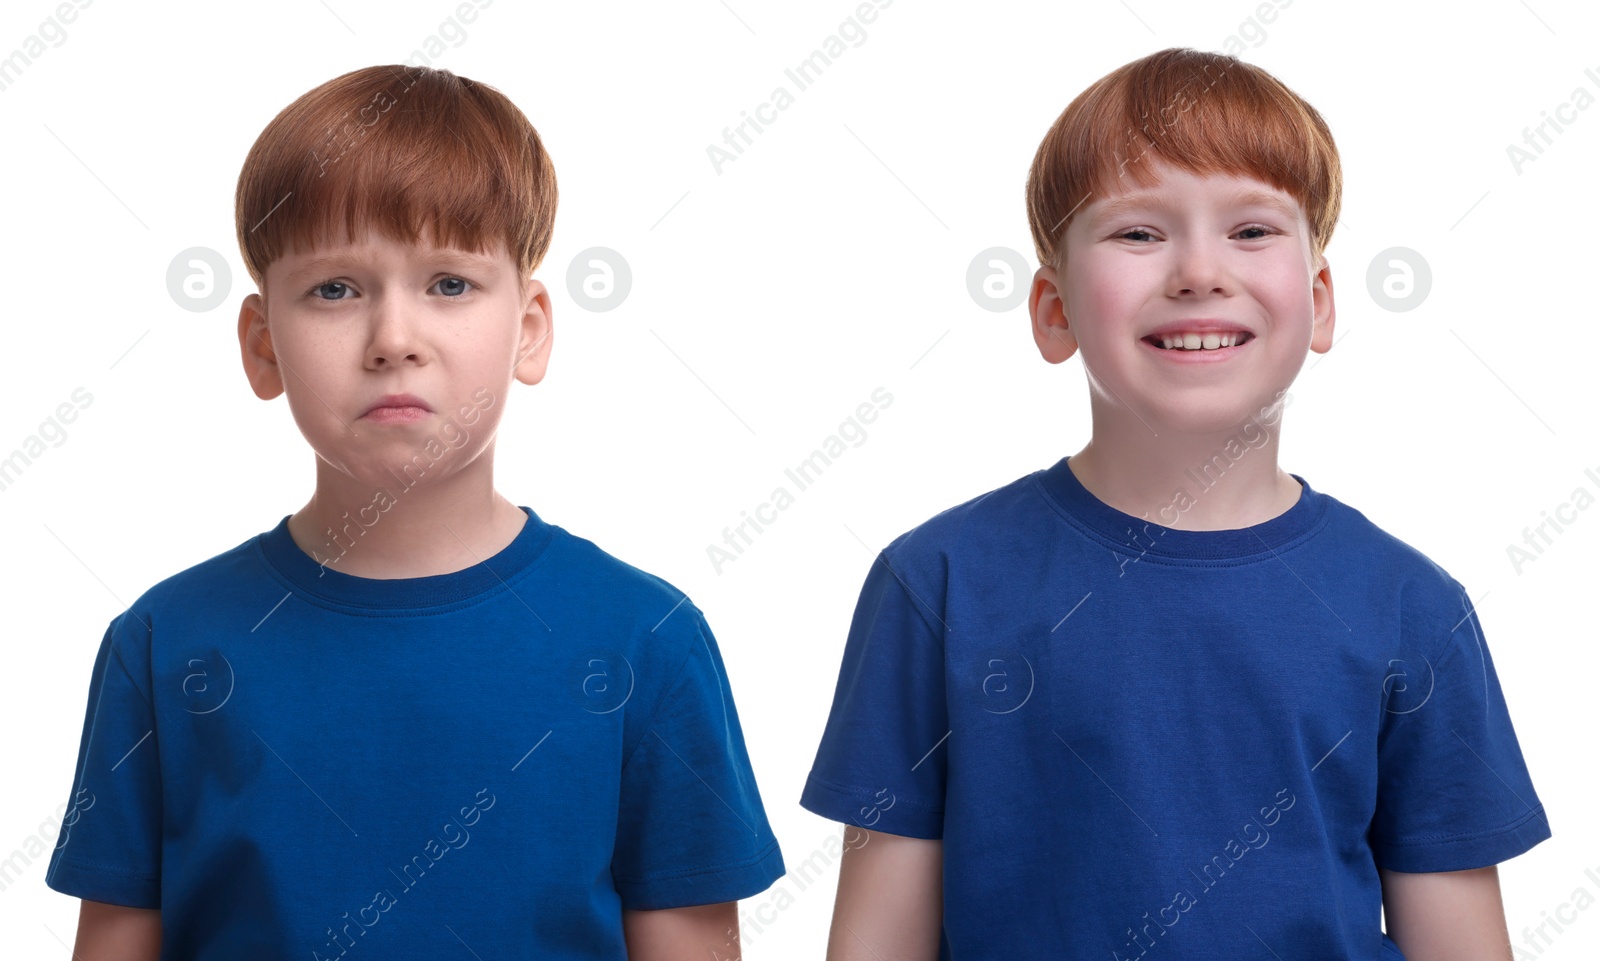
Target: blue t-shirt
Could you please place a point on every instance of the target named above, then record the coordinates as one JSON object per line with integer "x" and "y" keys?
{"x": 290, "y": 761}
{"x": 1143, "y": 742}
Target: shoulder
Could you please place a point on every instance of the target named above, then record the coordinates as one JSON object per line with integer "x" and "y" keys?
{"x": 1426, "y": 598}
{"x": 977, "y": 525}
{"x": 1353, "y": 531}
{"x": 636, "y": 628}
{"x": 604, "y": 594}
{"x": 212, "y": 581}
{"x": 207, "y": 580}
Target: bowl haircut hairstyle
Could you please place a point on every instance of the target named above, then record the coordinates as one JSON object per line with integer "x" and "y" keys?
{"x": 1207, "y": 113}
{"x": 411, "y": 152}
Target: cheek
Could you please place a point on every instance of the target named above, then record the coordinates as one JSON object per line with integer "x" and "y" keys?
{"x": 313, "y": 369}
{"x": 1103, "y": 308}
{"x": 1286, "y": 281}
{"x": 484, "y": 383}
{"x": 313, "y": 409}
{"x": 1292, "y": 299}
{"x": 316, "y": 377}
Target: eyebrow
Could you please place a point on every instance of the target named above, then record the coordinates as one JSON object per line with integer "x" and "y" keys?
{"x": 1243, "y": 198}
{"x": 457, "y": 258}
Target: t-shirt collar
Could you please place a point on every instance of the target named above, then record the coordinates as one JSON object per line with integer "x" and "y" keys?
{"x": 323, "y": 581}
{"x": 1140, "y": 536}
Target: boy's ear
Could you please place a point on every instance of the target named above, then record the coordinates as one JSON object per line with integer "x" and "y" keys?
{"x": 255, "y": 349}
{"x": 1322, "y": 309}
{"x": 533, "y": 349}
{"x": 1051, "y": 330}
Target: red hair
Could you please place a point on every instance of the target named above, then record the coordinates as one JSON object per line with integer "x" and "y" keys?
{"x": 407, "y": 151}
{"x": 1202, "y": 112}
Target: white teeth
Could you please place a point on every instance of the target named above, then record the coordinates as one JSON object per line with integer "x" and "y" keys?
{"x": 1202, "y": 341}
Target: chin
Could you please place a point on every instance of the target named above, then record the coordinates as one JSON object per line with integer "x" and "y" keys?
{"x": 1222, "y": 420}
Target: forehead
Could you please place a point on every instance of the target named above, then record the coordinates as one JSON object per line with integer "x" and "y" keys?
{"x": 337, "y": 251}
{"x": 1180, "y": 189}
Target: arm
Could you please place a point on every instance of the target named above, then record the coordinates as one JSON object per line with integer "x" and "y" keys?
{"x": 111, "y": 932}
{"x": 890, "y": 905}
{"x": 672, "y": 934}
{"x": 1447, "y": 915}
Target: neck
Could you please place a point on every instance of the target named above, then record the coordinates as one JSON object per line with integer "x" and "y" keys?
{"x": 1219, "y": 480}
{"x": 398, "y": 525}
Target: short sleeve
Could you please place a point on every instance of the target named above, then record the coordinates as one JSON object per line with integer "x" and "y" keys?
{"x": 691, "y": 828}
{"x": 109, "y": 848}
{"x": 881, "y": 763}
{"x": 1453, "y": 790}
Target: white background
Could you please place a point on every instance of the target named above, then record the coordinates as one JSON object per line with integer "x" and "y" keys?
{"x": 825, "y": 262}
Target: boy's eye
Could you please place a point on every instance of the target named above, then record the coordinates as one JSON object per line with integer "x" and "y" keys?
{"x": 1242, "y": 230}
{"x": 451, "y": 287}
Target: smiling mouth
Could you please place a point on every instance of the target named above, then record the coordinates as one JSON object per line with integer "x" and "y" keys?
{"x": 1200, "y": 342}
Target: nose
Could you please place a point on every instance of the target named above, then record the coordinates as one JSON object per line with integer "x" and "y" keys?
{"x": 393, "y": 332}
{"x": 1198, "y": 267}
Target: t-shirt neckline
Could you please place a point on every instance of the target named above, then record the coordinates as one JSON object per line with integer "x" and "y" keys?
{"x": 1136, "y": 535}
{"x": 326, "y": 583}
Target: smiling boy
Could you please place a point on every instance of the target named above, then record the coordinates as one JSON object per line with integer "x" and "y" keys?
{"x": 413, "y": 719}
{"x": 1164, "y": 699}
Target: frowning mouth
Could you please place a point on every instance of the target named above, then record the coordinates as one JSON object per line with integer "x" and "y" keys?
{"x": 400, "y": 402}
{"x": 396, "y": 415}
